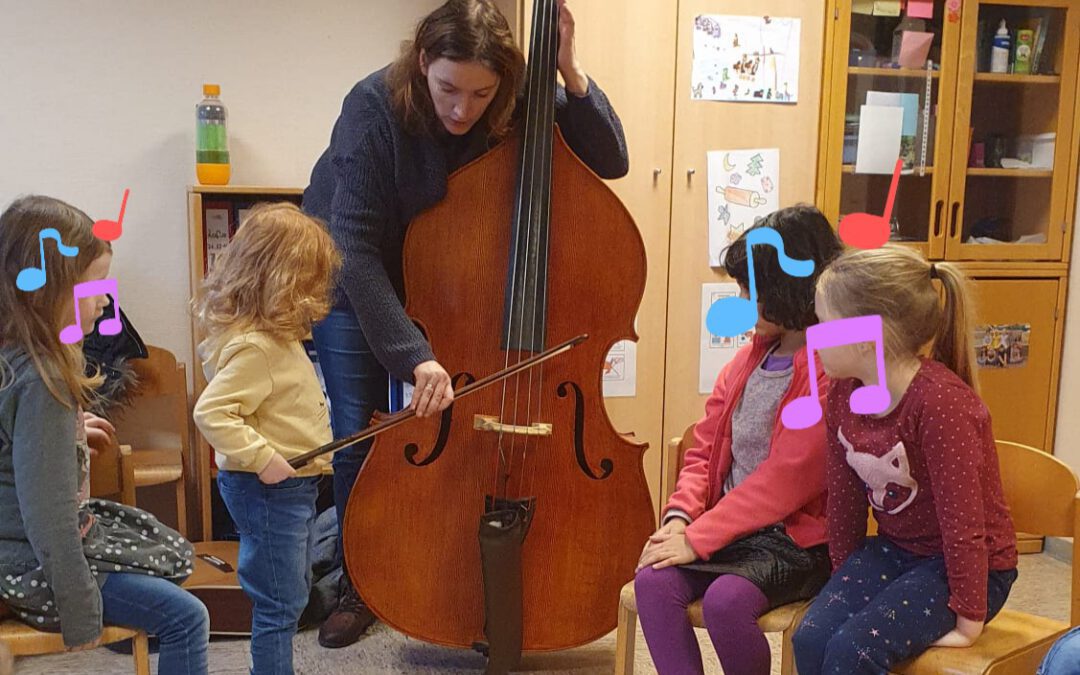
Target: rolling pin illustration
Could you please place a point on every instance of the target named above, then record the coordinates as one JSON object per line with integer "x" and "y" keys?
{"x": 741, "y": 196}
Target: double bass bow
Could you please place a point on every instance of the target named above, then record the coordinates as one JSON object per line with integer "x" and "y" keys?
{"x": 511, "y": 521}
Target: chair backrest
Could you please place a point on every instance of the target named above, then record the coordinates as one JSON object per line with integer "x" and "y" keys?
{"x": 677, "y": 448}
{"x": 106, "y": 474}
{"x": 1043, "y": 495}
{"x": 158, "y": 416}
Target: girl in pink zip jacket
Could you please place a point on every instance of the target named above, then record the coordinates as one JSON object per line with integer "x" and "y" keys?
{"x": 745, "y": 529}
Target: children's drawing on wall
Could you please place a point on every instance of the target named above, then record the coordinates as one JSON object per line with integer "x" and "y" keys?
{"x": 716, "y": 350}
{"x": 1002, "y": 346}
{"x": 743, "y": 189}
{"x": 746, "y": 58}
{"x": 620, "y": 370}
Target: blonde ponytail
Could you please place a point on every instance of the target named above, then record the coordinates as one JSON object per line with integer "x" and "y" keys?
{"x": 895, "y": 282}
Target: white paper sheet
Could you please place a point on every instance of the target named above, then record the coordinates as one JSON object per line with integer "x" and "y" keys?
{"x": 746, "y": 58}
{"x": 620, "y": 370}
{"x": 716, "y": 351}
{"x": 217, "y": 234}
{"x": 744, "y": 187}
{"x": 879, "y": 139}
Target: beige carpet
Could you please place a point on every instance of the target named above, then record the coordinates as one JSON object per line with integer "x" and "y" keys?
{"x": 1041, "y": 589}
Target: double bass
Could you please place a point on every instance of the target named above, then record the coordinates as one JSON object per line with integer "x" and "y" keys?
{"x": 511, "y": 521}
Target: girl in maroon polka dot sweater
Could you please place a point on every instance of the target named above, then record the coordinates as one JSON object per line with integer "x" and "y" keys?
{"x": 945, "y": 555}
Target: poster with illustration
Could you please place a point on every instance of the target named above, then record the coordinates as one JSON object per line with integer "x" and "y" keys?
{"x": 1004, "y": 346}
{"x": 744, "y": 187}
{"x": 753, "y": 59}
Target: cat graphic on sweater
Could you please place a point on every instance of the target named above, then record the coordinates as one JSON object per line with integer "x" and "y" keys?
{"x": 888, "y": 478}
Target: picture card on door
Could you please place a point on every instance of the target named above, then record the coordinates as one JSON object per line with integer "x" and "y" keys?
{"x": 753, "y": 59}
{"x": 744, "y": 187}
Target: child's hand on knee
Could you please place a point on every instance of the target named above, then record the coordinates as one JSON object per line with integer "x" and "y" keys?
{"x": 675, "y": 550}
{"x": 276, "y": 471}
{"x": 964, "y": 635}
{"x": 669, "y": 529}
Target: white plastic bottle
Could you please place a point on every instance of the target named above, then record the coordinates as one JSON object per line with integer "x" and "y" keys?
{"x": 999, "y": 52}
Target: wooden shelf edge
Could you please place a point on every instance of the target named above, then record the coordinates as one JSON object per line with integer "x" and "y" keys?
{"x": 892, "y": 72}
{"x": 850, "y": 169}
{"x": 1013, "y": 78}
{"x": 1010, "y": 173}
{"x": 243, "y": 190}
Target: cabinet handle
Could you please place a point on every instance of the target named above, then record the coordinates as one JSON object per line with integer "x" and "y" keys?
{"x": 937, "y": 217}
{"x": 656, "y": 175}
{"x": 952, "y": 225}
{"x": 690, "y": 175}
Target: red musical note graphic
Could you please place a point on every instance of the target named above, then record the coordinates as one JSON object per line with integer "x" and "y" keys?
{"x": 865, "y": 230}
{"x": 110, "y": 230}
{"x": 869, "y": 399}
{"x": 111, "y": 326}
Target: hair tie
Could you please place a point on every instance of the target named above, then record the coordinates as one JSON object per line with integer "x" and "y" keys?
{"x": 933, "y": 271}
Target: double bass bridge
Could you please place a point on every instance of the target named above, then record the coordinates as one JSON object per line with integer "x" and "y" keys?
{"x": 492, "y": 423}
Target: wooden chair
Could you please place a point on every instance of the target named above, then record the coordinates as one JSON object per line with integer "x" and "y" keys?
{"x": 1043, "y": 495}
{"x": 156, "y": 426}
{"x": 783, "y": 619}
{"x": 111, "y": 475}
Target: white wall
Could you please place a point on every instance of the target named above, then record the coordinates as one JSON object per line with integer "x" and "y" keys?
{"x": 98, "y": 97}
{"x": 1067, "y": 437}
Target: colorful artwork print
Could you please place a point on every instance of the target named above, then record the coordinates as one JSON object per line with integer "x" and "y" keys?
{"x": 1002, "y": 346}
{"x": 746, "y": 58}
{"x": 742, "y": 191}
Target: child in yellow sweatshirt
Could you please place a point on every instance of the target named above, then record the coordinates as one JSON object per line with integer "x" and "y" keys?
{"x": 263, "y": 405}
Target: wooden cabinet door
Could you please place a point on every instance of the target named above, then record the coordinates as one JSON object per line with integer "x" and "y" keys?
{"x": 701, "y": 126}
{"x": 628, "y": 48}
{"x": 1012, "y": 213}
{"x": 854, "y": 73}
{"x": 1018, "y": 383}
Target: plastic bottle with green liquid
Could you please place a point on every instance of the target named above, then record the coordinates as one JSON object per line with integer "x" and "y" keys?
{"x": 211, "y": 139}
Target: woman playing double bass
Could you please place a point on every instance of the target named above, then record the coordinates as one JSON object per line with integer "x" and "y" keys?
{"x": 402, "y": 131}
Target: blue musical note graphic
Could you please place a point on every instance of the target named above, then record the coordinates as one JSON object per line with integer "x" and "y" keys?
{"x": 729, "y": 317}
{"x": 33, "y": 278}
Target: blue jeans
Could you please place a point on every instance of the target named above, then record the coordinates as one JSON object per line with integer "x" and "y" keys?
{"x": 159, "y": 607}
{"x": 884, "y": 605}
{"x": 276, "y": 525}
{"x": 1064, "y": 656}
{"x": 357, "y": 385}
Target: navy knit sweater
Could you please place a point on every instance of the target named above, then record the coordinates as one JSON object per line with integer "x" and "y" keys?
{"x": 376, "y": 177}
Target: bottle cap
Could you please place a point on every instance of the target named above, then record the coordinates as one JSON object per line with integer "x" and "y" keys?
{"x": 211, "y": 89}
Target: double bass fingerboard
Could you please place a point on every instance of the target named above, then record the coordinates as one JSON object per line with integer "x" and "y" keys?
{"x": 525, "y": 305}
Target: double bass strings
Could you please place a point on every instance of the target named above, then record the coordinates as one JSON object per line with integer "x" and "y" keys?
{"x": 547, "y": 126}
{"x": 529, "y": 225}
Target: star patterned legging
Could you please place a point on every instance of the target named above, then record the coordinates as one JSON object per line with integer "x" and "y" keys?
{"x": 882, "y": 606}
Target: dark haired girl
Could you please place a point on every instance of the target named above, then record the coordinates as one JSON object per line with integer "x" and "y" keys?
{"x": 745, "y": 529}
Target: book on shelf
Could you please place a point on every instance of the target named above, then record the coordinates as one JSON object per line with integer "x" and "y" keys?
{"x": 1040, "y": 44}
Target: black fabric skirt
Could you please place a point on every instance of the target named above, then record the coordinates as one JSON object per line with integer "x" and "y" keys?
{"x": 774, "y": 563}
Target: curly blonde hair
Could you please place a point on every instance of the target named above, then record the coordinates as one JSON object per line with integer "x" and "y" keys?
{"x": 276, "y": 275}
{"x": 33, "y": 320}
{"x": 895, "y": 282}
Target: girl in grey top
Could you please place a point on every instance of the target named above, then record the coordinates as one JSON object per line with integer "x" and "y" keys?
{"x": 70, "y": 563}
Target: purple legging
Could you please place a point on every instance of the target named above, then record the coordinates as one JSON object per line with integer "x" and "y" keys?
{"x": 731, "y": 606}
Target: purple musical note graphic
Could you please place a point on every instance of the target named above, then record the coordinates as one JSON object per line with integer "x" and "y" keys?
{"x": 111, "y": 326}
{"x": 869, "y": 399}
{"x": 33, "y": 278}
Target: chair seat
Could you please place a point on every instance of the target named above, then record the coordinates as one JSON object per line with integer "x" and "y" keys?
{"x": 776, "y": 621}
{"x": 23, "y": 640}
{"x": 156, "y": 467}
{"x": 1015, "y": 642}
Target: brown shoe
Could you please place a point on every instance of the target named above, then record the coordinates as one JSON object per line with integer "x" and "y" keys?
{"x": 347, "y": 623}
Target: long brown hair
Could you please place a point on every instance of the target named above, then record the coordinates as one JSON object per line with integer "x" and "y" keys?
{"x": 895, "y": 282}
{"x": 276, "y": 275}
{"x": 460, "y": 30}
{"x": 33, "y": 320}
